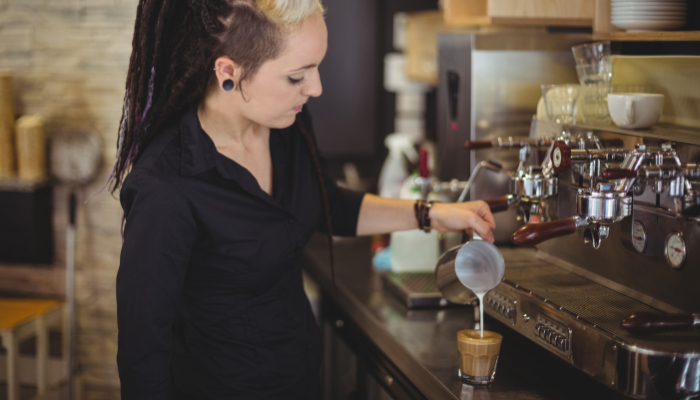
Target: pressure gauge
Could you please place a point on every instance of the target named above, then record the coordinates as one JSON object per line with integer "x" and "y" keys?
{"x": 676, "y": 252}
{"x": 639, "y": 237}
{"x": 556, "y": 156}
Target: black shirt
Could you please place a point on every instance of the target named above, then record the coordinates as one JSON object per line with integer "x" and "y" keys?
{"x": 209, "y": 290}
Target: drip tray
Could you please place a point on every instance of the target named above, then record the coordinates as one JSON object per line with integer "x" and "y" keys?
{"x": 414, "y": 289}
{"x": 590, "y": 302}
{"x": 579, "y": 321}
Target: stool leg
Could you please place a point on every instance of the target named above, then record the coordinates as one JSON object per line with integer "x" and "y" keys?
{"x": 66, "y": 344}
{"x": 42, "y": 352}
{"x": 8, "y": 338}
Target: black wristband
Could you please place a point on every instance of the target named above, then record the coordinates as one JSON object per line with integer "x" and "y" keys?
{"x": 426, "y": 216}
{"x": 417, "y": 212}
{"x": 421, "y": 208}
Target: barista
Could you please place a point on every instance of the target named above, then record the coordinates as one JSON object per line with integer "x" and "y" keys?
{"x": 225, "y": 188}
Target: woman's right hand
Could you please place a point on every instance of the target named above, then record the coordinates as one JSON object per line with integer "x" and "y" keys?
{"x": 470, "y": 216}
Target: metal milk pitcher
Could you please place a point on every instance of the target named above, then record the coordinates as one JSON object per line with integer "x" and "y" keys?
{"x": 476, "y": 264}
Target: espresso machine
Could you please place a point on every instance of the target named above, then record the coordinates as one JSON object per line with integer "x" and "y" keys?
{"x": 612, "y": 287}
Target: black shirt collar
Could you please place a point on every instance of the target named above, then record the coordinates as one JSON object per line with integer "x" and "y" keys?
{"x": 199, "y": 154}
{"x": 198, "y": 150}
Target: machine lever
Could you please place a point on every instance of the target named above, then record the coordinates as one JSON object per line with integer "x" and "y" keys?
{"x": 498, "y": 204}
{"x": 534, "y": 234}
{"x": 645, "y": 323}
{"x": 477, "y": 144}
{"x": 610, "y": 174}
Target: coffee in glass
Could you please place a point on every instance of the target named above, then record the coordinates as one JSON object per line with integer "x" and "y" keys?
{"x": 478, "y": 355}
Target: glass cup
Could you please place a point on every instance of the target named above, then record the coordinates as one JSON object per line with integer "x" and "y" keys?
{"x": 591, "y": 53}
{"x": 478, "y": 355}
{"x": 595, "y": 85}
{"x": 594, "y": 70}
{"x": 560, "y": 102}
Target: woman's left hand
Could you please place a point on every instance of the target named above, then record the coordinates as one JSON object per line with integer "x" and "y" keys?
{"x": 469, "y": 216}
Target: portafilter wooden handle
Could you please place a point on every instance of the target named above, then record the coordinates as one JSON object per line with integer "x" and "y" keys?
{"x": 646, "y": 323}
{"x": 477, "y": 144}
{"x": 610, "y": 174}
{"x": 498, "y": 204}
{"x": 534, "y": 234}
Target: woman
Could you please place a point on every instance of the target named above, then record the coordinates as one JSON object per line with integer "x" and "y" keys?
{"x": 224, "y": 190}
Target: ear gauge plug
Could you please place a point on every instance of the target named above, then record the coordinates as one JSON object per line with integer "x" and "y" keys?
{"x": 228, "y": 85}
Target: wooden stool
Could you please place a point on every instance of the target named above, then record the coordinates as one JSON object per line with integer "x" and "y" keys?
{"x": 23, "y": 318}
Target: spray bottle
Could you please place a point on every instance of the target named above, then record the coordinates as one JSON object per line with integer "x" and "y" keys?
{"x": 394, "y": 171}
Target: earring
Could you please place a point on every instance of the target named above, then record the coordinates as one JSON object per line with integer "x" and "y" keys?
{"x": 228, "y": 85}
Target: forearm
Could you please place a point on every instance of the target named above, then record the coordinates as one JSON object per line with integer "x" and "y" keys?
{"x": 382, "y": 215}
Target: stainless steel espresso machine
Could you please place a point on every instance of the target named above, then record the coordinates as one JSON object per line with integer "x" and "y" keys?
{"x": 488, "y": 86}
{"x": 613, "y": 284}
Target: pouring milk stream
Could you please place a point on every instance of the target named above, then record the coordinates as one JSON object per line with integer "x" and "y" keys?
{"x": 479, "y": 266}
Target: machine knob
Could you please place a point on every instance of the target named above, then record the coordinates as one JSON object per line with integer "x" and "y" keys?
{"x": 560, "y": 343}
{"x": 553, "y": 338}
{"x": 565, "y": 344}
{"x": 561, "y": 156}
{"x": 539, "y": 329}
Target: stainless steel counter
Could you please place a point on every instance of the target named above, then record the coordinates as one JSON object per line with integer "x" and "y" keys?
{"x": 421, "y": 345}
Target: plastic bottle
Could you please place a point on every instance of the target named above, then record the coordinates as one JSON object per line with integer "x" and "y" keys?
{"x": 394, "y": 171}
{"x": 414, "y": 250}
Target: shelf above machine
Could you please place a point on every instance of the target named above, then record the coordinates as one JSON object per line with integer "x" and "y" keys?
{"x": 659, "y": 36}
{"x": 661, "y": 132}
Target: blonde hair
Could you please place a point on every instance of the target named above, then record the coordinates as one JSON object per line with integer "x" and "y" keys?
{"x": 289, "y": 15}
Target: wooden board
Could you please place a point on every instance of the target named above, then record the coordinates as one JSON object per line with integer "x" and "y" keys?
{"x": 519, "y": 12}
{"x": 421, "y": 45}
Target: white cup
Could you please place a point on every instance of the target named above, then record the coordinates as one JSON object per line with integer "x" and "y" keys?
{"x": 635, "y": 110}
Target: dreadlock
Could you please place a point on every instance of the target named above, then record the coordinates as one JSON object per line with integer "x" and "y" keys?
{"x": 173, "y": 51}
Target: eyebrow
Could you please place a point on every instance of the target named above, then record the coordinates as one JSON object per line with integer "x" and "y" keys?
{"x": 304, "y": 67}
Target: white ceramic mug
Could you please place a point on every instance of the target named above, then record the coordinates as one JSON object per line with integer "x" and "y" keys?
{"x": 635, "y": 110}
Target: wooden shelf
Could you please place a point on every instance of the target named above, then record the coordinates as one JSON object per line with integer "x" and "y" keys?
{"x": 519, "y": 12}
{"x": 679, "y": 36}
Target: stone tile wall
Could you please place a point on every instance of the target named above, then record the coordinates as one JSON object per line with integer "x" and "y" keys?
{"x": 69, "y": 59}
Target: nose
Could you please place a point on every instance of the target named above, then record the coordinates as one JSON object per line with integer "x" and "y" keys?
{"x": 313, "y": 87}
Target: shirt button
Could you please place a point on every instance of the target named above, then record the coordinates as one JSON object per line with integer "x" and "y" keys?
{"x": 308, "y": 346}
{"x": 296, "y": 319}
{"x": 290, "y": 221}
